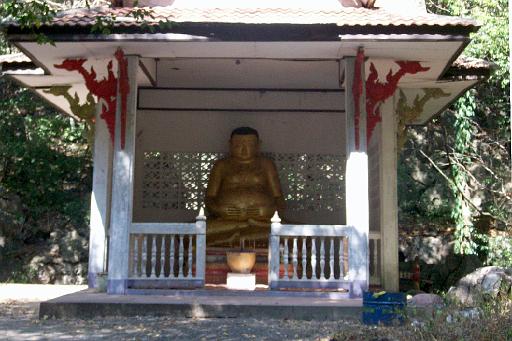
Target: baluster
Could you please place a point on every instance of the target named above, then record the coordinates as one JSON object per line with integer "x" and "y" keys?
{"x": 294, "y": 258}
{"x": 162, "y": 257}
{"x": 285, "y": 258}
{"x": 322, "y": 258}
{"x": 180, "y": 258}
{"x": 144, "y": 265}
{"x": 153, "y": 256}
{"x": 135, "y": 254}
{"x": 304, "y": 259}
{"x": 171, "y": 257}
{"x": 313, "y": 258}
{"x": 342, "y": 261}
{"x": 189, "y": 256}
{"x": 331, "y": 260}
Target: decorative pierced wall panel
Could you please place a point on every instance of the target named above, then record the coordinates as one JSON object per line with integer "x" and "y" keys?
{"x": 311, "y": 182}
{"x": 177, "y": 181}
{"x": 173, "y": 181}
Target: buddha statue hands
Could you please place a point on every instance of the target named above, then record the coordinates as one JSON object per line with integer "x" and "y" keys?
{"x": 243, "y": 193}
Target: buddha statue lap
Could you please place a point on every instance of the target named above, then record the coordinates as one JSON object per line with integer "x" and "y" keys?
{"x": 243, "y": 193}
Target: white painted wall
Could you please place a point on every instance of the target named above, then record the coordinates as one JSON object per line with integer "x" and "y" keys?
{"x": 209, "y": 131}
{"x": 253, "y": 73}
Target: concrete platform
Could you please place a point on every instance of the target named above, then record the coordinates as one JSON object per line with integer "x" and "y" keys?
{"x": 206, "y": 304}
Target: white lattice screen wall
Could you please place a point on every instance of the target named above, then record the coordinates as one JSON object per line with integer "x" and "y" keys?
{"x": 312, "y": 184}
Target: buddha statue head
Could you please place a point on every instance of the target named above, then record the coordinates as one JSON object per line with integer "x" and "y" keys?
{"x": 244, "y": 144}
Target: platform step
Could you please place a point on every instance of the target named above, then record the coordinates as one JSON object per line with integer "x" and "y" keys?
{"x": 204, "y": 304}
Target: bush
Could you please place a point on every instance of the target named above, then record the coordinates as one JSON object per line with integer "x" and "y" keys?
{"x": 499, "y": 251}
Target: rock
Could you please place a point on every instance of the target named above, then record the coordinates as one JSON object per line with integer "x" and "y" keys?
{"x": 472, "y": 313}
{"x": 466, "y": 313}
{"x": 417, "y": 324}
{"x": 484, "y": 283}
{"x": 429, "y": 249}
{"x": 459, "y": 294}
{"x": 425, "y": 300}
{"x": 439, "y": 265}
{"x": 46, "y": 274}
{"x": 491, "y": 284}
{"x": 61, "y": 259}
{"x": 448, "y": 273}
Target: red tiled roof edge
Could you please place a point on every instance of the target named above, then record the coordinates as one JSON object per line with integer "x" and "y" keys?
{"x": 352, "y": 17}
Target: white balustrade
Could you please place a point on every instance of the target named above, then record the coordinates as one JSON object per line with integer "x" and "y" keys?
{"x": 326, "y": 256}
{"x": 183, "y": 255}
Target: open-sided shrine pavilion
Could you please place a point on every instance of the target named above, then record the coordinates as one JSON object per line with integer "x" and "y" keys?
{"x": 329, "y": 85}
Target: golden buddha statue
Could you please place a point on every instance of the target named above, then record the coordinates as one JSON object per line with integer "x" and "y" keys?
{"x": 243, "y": 193}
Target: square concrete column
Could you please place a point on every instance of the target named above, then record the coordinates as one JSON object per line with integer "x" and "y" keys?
{"x": 388, "y": 196}
{"x": 356, "y": 174}
{"x": 122, "y": 187}
{"x": 100, "y": 199}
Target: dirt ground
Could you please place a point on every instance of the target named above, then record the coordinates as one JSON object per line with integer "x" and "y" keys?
{"x": 19, "y": 321}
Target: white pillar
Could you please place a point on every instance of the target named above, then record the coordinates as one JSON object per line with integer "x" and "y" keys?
{"x": 100, "y": 199}
{"x": 356, "y": 183}
{"x": 122, "y": 188}
{"x": 388, "y": 196}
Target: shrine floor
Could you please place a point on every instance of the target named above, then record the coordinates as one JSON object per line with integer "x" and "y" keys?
{"x": 212, "y": 302}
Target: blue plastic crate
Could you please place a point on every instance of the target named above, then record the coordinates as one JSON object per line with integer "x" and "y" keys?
{"x": 388, "y": 308}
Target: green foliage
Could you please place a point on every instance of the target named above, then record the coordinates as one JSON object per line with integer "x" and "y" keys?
{"x": 44, "y": 160}
{"x": 500, "y": 251}
{"x": 30, "y": 15}
{"x": 458, "y": 167}
{"x": 461, "y": 212}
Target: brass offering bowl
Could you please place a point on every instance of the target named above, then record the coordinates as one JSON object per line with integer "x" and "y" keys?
{"x": 241, "y": 262}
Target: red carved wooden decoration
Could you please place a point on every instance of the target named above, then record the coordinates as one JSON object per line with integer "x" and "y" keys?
{"x": 104, "y": 89}
{"x": 377, "y": 92}
{"x": 357, "y": 91}
{"x": 124, "y": 89}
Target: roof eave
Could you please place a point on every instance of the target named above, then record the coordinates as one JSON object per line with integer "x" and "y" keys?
{"x": 247, "y": 32}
